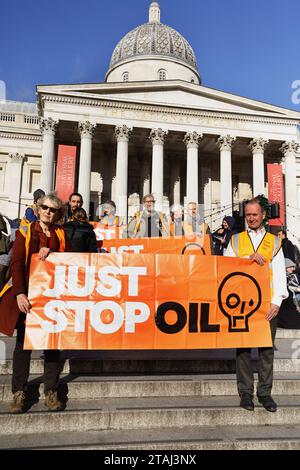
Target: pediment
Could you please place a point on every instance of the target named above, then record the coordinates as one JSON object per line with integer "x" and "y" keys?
{"x": 174, "y": 94}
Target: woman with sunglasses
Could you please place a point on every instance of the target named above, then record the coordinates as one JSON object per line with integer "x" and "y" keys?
{"x": 42, "y": 236}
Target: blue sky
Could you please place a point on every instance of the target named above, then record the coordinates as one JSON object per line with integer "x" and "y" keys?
{"x": 247, "y": 47}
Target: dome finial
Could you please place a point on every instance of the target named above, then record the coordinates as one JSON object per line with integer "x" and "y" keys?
{"x": 154, "y": 13}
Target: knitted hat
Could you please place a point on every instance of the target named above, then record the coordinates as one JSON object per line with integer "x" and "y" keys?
{"x": 38, "y": 193}
{"x": 289, "y": 263}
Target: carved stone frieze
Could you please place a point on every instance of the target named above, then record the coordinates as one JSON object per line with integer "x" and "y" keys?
{"x": 163, "y": 113}
{"x": 7, "y": 135}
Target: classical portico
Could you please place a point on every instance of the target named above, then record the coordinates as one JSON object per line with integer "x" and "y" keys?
{"x": 216, "y": 158}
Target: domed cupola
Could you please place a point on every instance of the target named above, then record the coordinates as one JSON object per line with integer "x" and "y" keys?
{"x": 153, "y": 51}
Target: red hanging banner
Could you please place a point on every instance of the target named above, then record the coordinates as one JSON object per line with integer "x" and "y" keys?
{"x": 65, "y": 172}
{"x": 276, "y": 191}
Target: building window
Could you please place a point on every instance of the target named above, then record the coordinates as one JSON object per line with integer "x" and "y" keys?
{"x": 8, "y": 117}
{"x": 34, "y": 180}
{"x": 162, "y": 74}
{"x": 192, "y": 80}
{"x": 125, "y": 76}
{"x": 30, "y": 119}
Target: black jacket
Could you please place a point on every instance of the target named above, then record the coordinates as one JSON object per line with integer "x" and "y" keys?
{"x": 81, "y": 236}
{"x": 288, "y": 249}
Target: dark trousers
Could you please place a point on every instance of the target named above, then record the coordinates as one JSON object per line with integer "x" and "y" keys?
{"x": 21, "y": 364}
{"x": 244, "y": 371}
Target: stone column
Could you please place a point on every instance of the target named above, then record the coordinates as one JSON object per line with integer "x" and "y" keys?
{"x": 175, "y": 181}
{"x": 145, "y": 178}
{"x": 14, "y": 184}
{"x": 122, "y": 135}
{"x": 191, "y": 140}
{"x": 225, "y": 144}
{"x": 257, "y": 146}
{"x": 86, "y": 130}
{"x": 157, "y": 136}
{"x": 48, "y": 127}
{"x": 289, "y": 150}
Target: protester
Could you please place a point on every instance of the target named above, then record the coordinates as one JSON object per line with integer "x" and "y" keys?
{"x": 110, "y": 218}
{"x": 80, "y": 233}
{"x": 75, "y": 202}
{"x": 262, "y": 247}
{"x": 297, "y": 255}
{"x": 287, "y": 246}
{"x": 293, "y": 282}
{"x": 221, "y": 237}
{"x": 193, "y": 223}
{"x": 42, "y": 237}
{"x": 289, "y": 313}
{"x": 149, "y": 222}
{"x": 177, "y": 220}
{"x": 31, "y": 211}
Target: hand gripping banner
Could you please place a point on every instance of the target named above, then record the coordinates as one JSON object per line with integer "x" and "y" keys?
{"x": 147, "y": 301}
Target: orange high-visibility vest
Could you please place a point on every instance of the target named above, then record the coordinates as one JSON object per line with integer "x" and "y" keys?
{"x": 269, "y": 246}
{"x": 25, "y": 230}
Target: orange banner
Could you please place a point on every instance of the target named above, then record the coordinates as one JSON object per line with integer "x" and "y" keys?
{"x": 160, "y": 245}
{"x": 110, "y": 240}
{"x": 132, "y": 302}
{"x": 65, "y": 171}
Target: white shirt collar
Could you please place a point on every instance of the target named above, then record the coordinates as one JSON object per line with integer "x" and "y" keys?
{"x": 260, "y": 231}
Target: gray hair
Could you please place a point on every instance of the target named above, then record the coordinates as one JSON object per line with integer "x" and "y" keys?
{"x": 58, "y": 203}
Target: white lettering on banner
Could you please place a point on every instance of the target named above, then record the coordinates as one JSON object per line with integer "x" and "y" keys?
{"x": 107, "y": 328}
{"x": 114, "y": 284}
{"x": 53, "y": 311}
{"x": 109, "y": 286}
{"x": 59, "y": 282}
{"x": 133, "y": 274}
{"x": 135, "y": 312}
{"x": 89, "y": 285}
{"x": 80, "y": 308}
{"x": 132, "y": 318}
{"x": 136, "y": 249}
{"x": 104, "y": 234}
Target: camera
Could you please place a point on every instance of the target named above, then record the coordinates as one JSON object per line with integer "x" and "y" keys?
{"x": 272, "y": 209}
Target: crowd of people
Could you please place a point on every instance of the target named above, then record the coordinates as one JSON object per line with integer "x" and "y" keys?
{"x": 50, "y": 226}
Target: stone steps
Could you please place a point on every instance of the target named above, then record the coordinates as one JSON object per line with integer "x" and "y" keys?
{"x": 280, "y": 437}
{"x": 188, "y": 401}
{"x": 89, "y": 388}
{"x": 84, "y": 367}
{"x": 143, "y": 413}
{"x": 283, "y": 333}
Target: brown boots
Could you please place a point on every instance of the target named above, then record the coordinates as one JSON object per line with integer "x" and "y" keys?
{"x": 52, "y": 402}
{"x": 18, "y": 403}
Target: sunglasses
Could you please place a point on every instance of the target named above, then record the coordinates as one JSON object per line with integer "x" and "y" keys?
{"x": 53, "y": 210}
